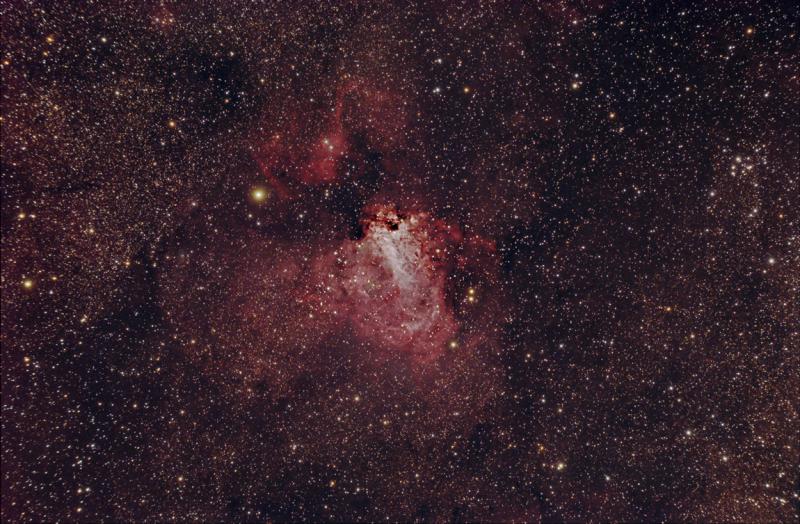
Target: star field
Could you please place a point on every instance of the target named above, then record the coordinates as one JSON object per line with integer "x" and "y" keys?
{"x": 351, "y": 261}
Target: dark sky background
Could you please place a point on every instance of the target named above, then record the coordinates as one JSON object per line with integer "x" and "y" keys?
{"x": 524, "y": 261}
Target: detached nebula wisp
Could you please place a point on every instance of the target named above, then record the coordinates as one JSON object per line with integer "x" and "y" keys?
{"x": 400, "y": 262}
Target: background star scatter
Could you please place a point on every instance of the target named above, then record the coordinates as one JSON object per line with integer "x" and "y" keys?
{"x": 355, "y": 261}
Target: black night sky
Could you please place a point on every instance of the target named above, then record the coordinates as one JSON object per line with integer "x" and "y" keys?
{"x": 362, "y": 261}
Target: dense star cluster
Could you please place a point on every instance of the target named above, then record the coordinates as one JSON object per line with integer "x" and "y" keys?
{"x": 355, "y": 261}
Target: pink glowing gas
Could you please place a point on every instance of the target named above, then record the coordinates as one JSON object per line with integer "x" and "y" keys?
{"x": 308, "y": 148}
{"x": 392, "y": 283}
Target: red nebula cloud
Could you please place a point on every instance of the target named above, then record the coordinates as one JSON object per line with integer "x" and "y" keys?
{"x": 392, "y": 282}
{"x": 412, "y": 294}
{"x": 310, "y": 144}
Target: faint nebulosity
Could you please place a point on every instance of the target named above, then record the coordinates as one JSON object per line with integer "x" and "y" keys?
{"x": 393, "y": 261}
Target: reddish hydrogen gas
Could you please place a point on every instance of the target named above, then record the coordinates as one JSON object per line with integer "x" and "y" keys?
{"x": 392, "y": 282}
{"x": 308, "y": 145}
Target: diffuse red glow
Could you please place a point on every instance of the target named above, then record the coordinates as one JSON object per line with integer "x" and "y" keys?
{"x": 309, "y": 145}
{"x": 392, "y": 282}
